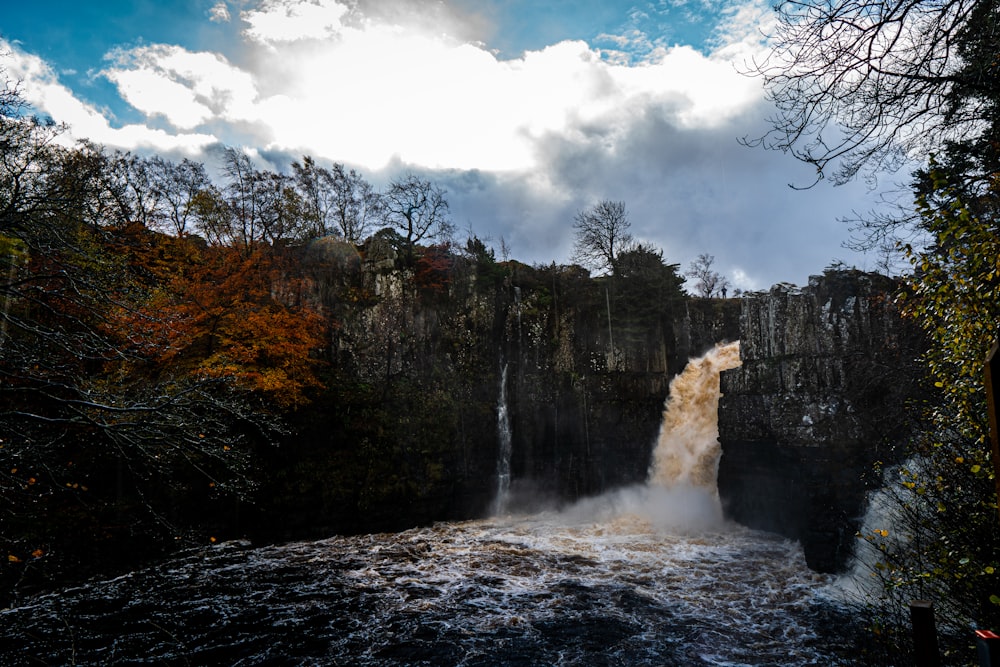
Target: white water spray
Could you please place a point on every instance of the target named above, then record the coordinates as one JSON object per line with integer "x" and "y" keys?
{"x": 504, "y": 450}
{"x": 681, "y": 493}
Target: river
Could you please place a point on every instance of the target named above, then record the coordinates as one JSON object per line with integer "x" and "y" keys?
{"x": 648, "y": 575}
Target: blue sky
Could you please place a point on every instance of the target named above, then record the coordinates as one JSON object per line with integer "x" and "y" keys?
{"x": 526, "y": 112}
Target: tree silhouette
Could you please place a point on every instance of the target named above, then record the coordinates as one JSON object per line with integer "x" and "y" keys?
{"x": 602, "y": 235}
{"x": 707, "y": 282}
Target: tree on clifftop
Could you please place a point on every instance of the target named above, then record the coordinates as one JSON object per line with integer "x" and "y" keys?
{"x": 708, "y": 283}
{"x": 418, "y": 210}
{"x": 602, "y": 235}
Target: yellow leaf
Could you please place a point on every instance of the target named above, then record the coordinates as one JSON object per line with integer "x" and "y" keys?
{"x": 11, "y": 558}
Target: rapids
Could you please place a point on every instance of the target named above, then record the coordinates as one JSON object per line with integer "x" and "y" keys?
{"x": 649, "y": 575}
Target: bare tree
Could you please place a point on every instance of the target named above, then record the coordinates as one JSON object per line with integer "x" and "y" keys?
{"x": 337, "y": 200}
{"x": 602, "y": 235}
{"x": 417, "y": 209}
{"x": 129, "y": 189}
{"x": 178, "y": 185}
{"x": 707, "y": 283}
{"x": 864, "y": 84}
{"x": 357, "y": 205}
{"x": 253, "y": 207}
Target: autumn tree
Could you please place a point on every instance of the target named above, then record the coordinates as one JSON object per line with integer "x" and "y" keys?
{"x": 418, "y": 210}
{"x": 602, "y": 235}
{"x": 708, "y": 283}
{"x": 863, "y": 88}
{"x": 106, "y": 416}
{"x": 84, "y": 429}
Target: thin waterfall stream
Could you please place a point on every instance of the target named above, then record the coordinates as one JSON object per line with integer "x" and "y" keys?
{"x": 646, "y": 575}
{"x": 503, "y": 448}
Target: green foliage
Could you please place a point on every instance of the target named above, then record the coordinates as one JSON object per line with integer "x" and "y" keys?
{"x": 489, "y": 273}
{"x": 955, "y": 297}
{"x": 939, "y": 536}
{"x": 647, "y": 290}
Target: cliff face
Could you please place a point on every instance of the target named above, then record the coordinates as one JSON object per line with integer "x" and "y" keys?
{"x": 820, "y": 397}
{"x": 407, "y": 430}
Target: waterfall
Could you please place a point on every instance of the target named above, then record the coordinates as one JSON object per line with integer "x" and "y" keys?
{"x": 687, "y": 450}
{"x": 504, "y": 449}
{"x": 681, "y": 494}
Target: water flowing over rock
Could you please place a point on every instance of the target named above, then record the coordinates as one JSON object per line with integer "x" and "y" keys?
{"x": 687, "y": 450}
{"x": 411, "y": 429}
{"x": 504, "y": 447}
{"x": 820, "y": 397}
{"x": 639, "y": 576}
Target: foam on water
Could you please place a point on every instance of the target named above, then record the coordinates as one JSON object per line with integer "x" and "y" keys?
{"x": 648, "y": 575}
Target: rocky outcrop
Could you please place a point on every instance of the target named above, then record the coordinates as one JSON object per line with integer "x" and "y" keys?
{"x": 406, "y": 431}
{"x": 821, "y": 396}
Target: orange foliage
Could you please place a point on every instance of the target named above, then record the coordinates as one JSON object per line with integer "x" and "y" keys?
{"x": 432, "y": 269}
{"x": 213, "y": 312}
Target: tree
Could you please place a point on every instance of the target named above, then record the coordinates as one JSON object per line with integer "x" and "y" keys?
{"x": 107, "y": 418}
{"x": 866, "y": 85}
{"x": 860, "y": 87}
{"x": 940, "y": 538}
{"x": 356, "y": 204}
{"x": 418, "y": 210}
{"x": 338, "y": 200}
{"x": 602, "y": 235}
{"x": 708, "y": 283}
{"x": 313, "y": 185}
{"x": 254, "y": 208}
{"x": 178, "y": 186}
{"x": 649, "y": 288}
{"x": 127, "y": 181}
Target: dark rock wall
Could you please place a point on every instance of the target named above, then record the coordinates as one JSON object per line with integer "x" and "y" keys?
{"x": 821, "y": 396}
{"x": 406, "y": 432}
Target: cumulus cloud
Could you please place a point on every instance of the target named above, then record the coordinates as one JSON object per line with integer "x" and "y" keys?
{"x": 277, "y": 21}
{"x": 219, "y": 13}
{"x": 521, "y": 143}
{"x": 368, "y": 92}
{"x": 187, "y": 89}
{"x": 42, "y": 89}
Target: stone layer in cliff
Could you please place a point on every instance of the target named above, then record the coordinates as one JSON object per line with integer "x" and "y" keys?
{"x": 827, "y": 373}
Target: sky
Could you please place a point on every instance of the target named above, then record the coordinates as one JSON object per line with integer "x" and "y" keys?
{"x": 525, "y": 112}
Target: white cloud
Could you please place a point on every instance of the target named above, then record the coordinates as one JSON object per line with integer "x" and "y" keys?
{"x": 219, "y": 13}
{"x": 277, "y": 21}
{"x": 185, "y": 87}
{"x": 369, "y": 92}
{"x": 41, "y": 88}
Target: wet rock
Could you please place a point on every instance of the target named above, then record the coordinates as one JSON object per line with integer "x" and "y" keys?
{"x": 827, "y": 371}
